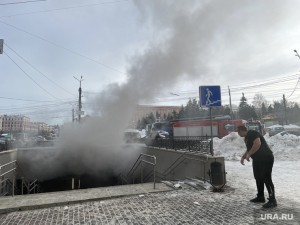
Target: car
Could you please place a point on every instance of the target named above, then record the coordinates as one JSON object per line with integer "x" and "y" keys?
{"x": 273, "y": 130}
{"x": 292, "y": 132}
{"x": 132, "y": 136}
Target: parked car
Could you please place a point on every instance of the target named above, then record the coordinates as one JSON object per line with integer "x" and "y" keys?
{"x": 292, "y": 132}
{"x": 132, "y": 136}
{"x": 275, "y": 129}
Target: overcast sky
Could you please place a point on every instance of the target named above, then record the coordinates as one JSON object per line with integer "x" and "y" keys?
{"x": 163, "y": 50}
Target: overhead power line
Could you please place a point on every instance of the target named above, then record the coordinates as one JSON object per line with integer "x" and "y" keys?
{"x": 30, "y": 77}
{"x": 299, "y": 76}
{"x": 39, "y": 71}
{"x": 28, "y": 100}
{"x": 62, "y": 47}
{"x": 64, "y": 8}
{"x": 38, "y": 106}
{"x": 271, "y": 88}
{"x": 23, "y": 2}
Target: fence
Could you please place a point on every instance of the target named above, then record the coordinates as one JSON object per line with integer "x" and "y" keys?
{"x": 200, "y": 144}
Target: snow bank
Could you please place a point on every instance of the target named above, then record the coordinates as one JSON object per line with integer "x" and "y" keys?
{"x": 291, "y": 127}
{"x": 232, "y": 146}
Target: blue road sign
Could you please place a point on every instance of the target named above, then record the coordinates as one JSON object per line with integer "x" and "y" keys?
{"x": 210, "y": 96}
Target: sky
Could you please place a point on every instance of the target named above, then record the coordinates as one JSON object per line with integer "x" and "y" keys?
{"x": 132, "y": 52}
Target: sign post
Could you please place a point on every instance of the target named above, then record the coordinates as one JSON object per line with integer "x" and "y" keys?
{"x": 210, "y": 96}
{"x": 1, "y": 46}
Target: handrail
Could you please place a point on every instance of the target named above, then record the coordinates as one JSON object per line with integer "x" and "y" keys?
{"x": 32, "y": 187}
{"x": 11, "y": 183}
{"x": 25, "y": 183}
{"x": 157, "y": 174}
{"x": 4, "y": 165}
{"x": 123, "y": 178}
{"x": 175, "y": 162}
{"x": 6, "y": 191}
{"x": 138, "y": 163}
{"x": 174, "y": 165}
{"x": 7, "y": 172}
{"x": 141, "y": 155}
{"x": 2, "y": 181}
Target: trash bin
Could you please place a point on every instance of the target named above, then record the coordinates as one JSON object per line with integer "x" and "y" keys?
{"x": 217, "y": 175}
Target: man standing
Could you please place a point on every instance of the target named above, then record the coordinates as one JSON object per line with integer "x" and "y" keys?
{"x": 263, "y": 160}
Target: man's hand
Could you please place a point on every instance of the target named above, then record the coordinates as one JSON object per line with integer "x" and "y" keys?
{"x": 242, "y": 160}
{"x": 248, "y": 157}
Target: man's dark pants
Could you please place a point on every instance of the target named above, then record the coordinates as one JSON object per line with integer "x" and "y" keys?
{"x": 262, "y": 170}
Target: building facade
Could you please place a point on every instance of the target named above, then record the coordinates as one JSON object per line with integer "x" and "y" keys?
{"x": 0, "y": 124}
{"x": 159, "y": 112}
{"x": 17, "y": 124}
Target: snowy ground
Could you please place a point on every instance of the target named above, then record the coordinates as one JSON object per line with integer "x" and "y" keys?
{"x": 285, "y": 148}
{"x": 286, "y": 169}
{"x": 286, "y": 178}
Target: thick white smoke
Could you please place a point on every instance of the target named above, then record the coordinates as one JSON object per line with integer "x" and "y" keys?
{"x": 191, "y": 40}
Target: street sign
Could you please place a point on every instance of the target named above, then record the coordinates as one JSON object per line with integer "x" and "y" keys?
{"x": 210, "y": 96}
{"x": 1, "y": 46}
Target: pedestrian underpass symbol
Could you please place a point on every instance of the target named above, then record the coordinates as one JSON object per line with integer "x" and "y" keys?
{"x": 210, "y": 96}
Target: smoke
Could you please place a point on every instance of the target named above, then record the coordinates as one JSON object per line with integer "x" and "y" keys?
{"x": 194, "y": 41}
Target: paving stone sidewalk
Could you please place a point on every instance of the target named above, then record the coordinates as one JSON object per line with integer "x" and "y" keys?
{"x": 183, "y": 206}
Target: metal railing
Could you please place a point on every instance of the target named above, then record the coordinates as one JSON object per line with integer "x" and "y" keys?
{"x": 123, "y": 178}
{"x": 196, "y": 144}
{"x": 178, "y": 162}
{"x": 29, "y": 185}
{"x": 9, "y": 186}
{"x": 139, "y": 163}
{"x": 4, "y": 181}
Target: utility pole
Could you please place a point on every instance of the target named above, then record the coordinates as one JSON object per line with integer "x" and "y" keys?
{"x": 73, "y": 117}
{"x": 79, "y": 100}
{"x": 284, "y": 104}
{"x": 231, "y": 113}
{"x": 1, "y": 46}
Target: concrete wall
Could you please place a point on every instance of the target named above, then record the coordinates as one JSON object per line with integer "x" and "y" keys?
{"x": 170, "y": 164}
{"x": 181, "y": 164}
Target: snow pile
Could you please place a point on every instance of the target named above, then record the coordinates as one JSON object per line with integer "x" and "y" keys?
{"x": 286, "y": 147}
{"x": 291, "y": 127}
{"x": 232, "y": 146}
{"x": 274, "y": 126}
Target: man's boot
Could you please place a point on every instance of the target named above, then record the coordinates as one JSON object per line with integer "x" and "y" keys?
{"x": 271, "y": 203}
{"x": 258, "y": 199}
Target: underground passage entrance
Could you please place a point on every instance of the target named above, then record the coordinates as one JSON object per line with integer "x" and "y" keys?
{"x": 154, "y": 165}
{"x": 77, "y": 182}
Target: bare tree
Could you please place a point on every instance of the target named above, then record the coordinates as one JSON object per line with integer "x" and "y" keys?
{"x": 258, "y": 101}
